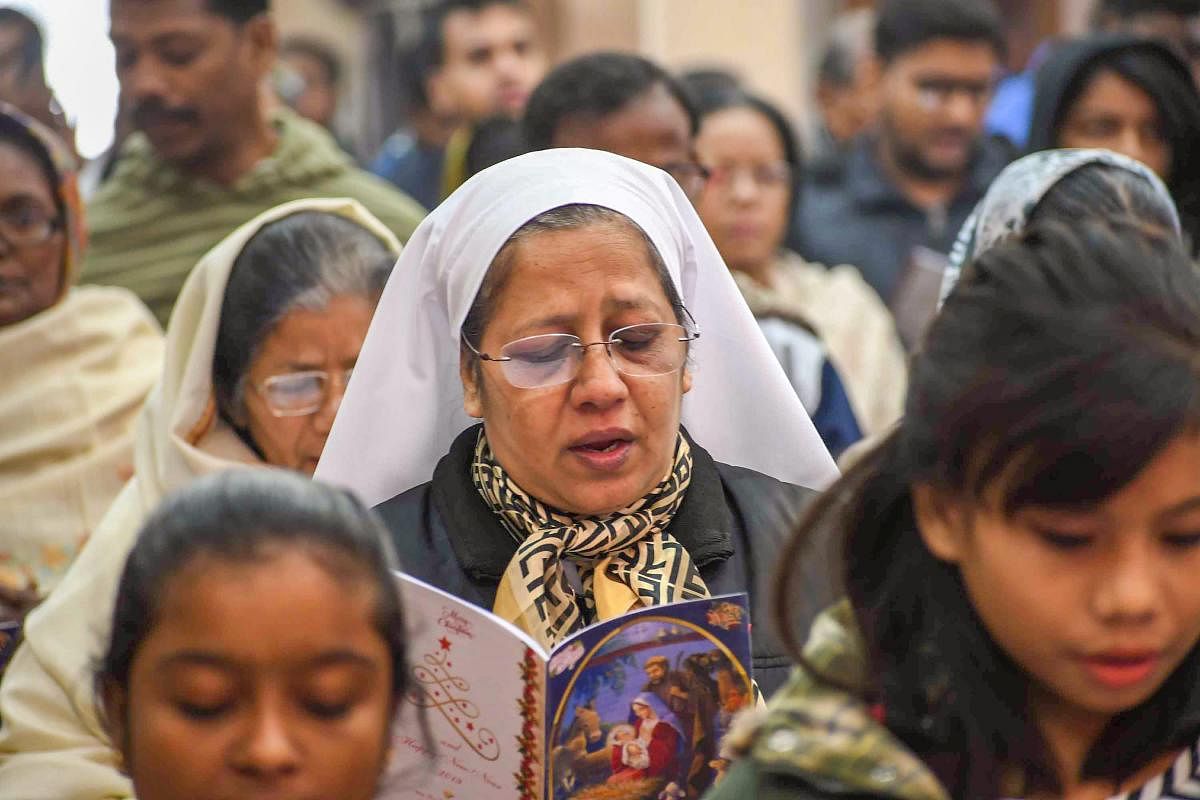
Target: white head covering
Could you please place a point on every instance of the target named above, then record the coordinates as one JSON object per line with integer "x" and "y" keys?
{"x": 403, "y": 407}
{"x": 1015, "y": 193}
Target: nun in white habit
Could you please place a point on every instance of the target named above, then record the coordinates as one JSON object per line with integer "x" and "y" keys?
{"x": 564, "y": 409}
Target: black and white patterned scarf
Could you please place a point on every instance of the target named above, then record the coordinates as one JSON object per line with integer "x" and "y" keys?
{"x": 626, "y": 559}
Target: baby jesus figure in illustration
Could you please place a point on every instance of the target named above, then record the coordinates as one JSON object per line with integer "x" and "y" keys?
{"x": 649, "y": 748}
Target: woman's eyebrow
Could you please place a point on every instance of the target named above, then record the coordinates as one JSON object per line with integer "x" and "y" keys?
{"x": 627, "y": 303}
{"x": 196, "y": 658}
{"x": 1190, "y": 505}
{"x": 553, "y": 321}
{"x": 333, "y": 658}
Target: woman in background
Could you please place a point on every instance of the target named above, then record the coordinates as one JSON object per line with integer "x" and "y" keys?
{"x": 77, "y": 364}
{"x": 260, "y": 347}
{"x": 1132, "y": 96}
{"x": 1063, "y": 186}
{"x": 755, "y": 170}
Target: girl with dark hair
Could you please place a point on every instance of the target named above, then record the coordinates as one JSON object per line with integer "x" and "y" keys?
{"x": 1130, "y": 95}
{"x": 1019, "y": 555}
{"x": 755, "y": 167}
{"x": 260, "y": 347}
{"x": 258, "y": 644}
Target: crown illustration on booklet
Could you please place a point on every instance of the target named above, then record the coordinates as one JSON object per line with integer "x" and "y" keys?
{"x": 631, "y": 708}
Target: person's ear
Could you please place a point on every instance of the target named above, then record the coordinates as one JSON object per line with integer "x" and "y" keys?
{"x": 472, "y": 390}
{"x": 115, "y": 705}
{"x": 262, "y": 38}
{"x": 686, "y": 380}
{"x": 872, "y": 77}
{"x": 941, "y": 523}
{"x": 441, "y": 100}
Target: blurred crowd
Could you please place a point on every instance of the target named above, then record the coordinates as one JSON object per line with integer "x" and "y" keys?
{"x": 974, "y": 291}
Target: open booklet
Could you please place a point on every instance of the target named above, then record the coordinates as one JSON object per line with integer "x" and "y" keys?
{"x": 629, "y": 708}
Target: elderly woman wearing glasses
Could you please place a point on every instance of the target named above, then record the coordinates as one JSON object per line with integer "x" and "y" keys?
{"x": 558, "y": 300}
{"x": 259, "y": 348}
{"x": 76, "y": 365}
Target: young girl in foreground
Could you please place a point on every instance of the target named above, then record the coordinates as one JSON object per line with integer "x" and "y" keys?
{"x": 1021, "y": 556}
{"x": 258, "y": 645}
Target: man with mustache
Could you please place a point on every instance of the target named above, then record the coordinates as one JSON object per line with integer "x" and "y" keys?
{"x": 910, "y": 181}
{"x": 208, "y": 153}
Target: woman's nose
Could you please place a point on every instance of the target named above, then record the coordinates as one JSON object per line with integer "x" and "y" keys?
{"x": 598, "y": 383}
{"x": 1128, "y": 592}
{"x": 268, "y": 750}
{"x": 324, "y": 416}
{"x": 1130, "y": 143}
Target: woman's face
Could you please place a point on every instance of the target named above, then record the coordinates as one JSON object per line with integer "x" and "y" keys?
{"x": 305, "y": 341}
{"x": 31, "y": 274}
{"x": 602, "y": 440}
{"x": 232, "y": 696}
{"x": 1097, "y": 606}
{"x": 745, "y": 202}
{"x": 1115, "y": 114}
{"x": 643, "y": 711}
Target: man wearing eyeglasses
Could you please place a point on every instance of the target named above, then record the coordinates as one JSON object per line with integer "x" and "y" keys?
{"x": 906, "y": 186}
{"x": 621, "y": 103}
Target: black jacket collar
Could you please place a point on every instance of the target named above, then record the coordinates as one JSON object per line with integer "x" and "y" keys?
{"x": 703, "y": 524}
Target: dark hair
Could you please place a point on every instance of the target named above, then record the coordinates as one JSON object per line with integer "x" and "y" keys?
{"x": 783, "y": 129}
{"x": 1128, "y": 9}
{"x": 1155, "y": 70}
{"x": 596, "y": 85}
{"x": 568, "y": 217}
{"x": 239, "y": 11}
{"x": 14, "y": 133}
{"x": 1106, "y": 191}
{"x": 496, "y": 139}
{"x": 303, "y": 260}
{"x": 32, "y": 43}
{"x": 905, "y": 25}
{"x": 318, "y": 51}
{"x": 706, "y": 84}
{"x": 1052, "y": 348}
{"x": 849, "y": 40}
{"x": 247, "y": 515}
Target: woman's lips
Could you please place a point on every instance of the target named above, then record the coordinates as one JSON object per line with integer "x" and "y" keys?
{"x": 1121, "y": 670}
{"x": 606, "y": 451}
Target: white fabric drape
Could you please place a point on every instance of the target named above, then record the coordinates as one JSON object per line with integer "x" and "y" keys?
{"x": 404, "y": 405}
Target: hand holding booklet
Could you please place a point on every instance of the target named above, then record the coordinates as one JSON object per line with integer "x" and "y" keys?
{"x": 631, "y": 708}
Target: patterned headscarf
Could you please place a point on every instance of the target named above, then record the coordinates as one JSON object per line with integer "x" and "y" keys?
{"x": 65, "y": 186}
{"x": 1015, "y": 193}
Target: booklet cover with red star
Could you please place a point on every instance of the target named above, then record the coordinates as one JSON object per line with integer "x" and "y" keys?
{"x": 632, "y": 708}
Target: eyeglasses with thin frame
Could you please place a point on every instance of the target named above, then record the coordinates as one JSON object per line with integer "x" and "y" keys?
{"x": 771, "y": 175}
{"x": 27, "y": 224}
{"x": 298, "y": 394}
{"x": 639, "y": 351}
{"x": 935, "y": 93}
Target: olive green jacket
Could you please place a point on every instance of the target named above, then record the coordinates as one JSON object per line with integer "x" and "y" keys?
{"x": 150, "y": 223}
{"x": 818, "y": 742}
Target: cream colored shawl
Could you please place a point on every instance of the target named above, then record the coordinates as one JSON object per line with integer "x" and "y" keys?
{"x": 52, "y": 745}
{"x": 854, "y": 325}
{"x": 75, "y": 376}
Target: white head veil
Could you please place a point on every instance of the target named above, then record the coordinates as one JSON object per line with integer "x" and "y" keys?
{"x": 403, "y": 407}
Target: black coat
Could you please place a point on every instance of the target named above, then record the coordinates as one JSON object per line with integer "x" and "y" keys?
{"x": 732, "y": 521}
